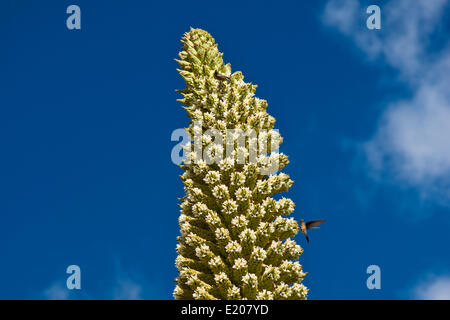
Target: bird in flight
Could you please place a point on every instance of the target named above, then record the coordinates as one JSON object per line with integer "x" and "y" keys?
{"x": 221, "y": 77}
{"x": 304, "y": 226}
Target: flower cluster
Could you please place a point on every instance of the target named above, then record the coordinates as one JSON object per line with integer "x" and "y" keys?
{"x": 236, "y": 240}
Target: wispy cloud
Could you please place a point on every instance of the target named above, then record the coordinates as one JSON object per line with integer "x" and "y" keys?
{"x": 127, "y": 289}
{"x": 126, "y": 284}
{"x": 57, "y": 291}
{"x": 435, "y": 288}
{"x": 411, "y": 144}
{"x": 130, "y": 284}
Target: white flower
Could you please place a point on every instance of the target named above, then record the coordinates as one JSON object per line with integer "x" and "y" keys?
{"x": 199, "y": 209}
{"x": 215, "y": 262}
{"x": 200, "y": 293}
{"x": 202, "y": 251}
{"x": 195, "y": 194}
{"x": 263, "y": 187}
{"x": 272, "y": 273}
{"x": 233, "y": 292}
{"x": 197, "y": 115}
{"x": 264, "y": 229}
{"x": 259, "y": 254}
{"x": 233, "y": 247}
{"x": 237, "y": 179}
{"x": 221, "y": 125}
{"x": 185, "y": 205}
{"x": 248, "y": 234}
{"x": 229, "y": 207}
{"x": 212, "y": 177}
{"x": 177, "y": 291}
{"x": 276, "y": 246}
{"x": 269, "y": 205}
{"x": 185, "y": 228}
{"x": 182, "y": 218}
{"x": 285, "y": 206}
{"x": 291, "y": 248}
{"x": 240, "y": 263}
{"x": 243, "y": 194}
{"x": 239, "y": 222}
{"x": 200, "y": 167}
{"x": 212, "y": 218}
{"x": 241, "y": 155}
{"x": 283, "y": 290}
{"x": 206, "y": 139}
{"x": 198, "y": 130}
{"x": 191, "y": 279}
{"x": 226, "y": 164}
{"x": 264, "y": 295}
{"x": 221, "y": 277}
{"x": 179, "y": 261}
{"x": 299, "y": 289}
{"x": 222, "y": 234}
{"x": 250, "y": 279}
{"x": 220, "y": 191}
{"x": 191, "y": 157}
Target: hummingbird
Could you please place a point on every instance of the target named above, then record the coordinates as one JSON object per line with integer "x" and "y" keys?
{"x": 221, "y": 77}
{"x": 309, "y": 225}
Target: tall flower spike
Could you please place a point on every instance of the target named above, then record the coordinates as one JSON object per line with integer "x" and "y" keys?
{"x": 236, "y": 240}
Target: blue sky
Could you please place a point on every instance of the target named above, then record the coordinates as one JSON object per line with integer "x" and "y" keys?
{"x": 86, "y": 117}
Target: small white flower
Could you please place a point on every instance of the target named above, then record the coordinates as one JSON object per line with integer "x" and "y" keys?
{"x": 264, "y": 295}
{"x": 212, "y": 177}
{"x": 263, "y": 187}
{"x": 215, "y": 262}
{"x": 185, "y": 228}
{"x": 237, "y": 179}
{"x": 239, "y": 222}
{"x": 229, "y": 207}
{"x": 199, "y": 209}
{"x": 222, "y": 234}
{"x": 202, "y": 251}
{"x": 233, "y": 247}
{"x": 200, "y": 293}
{"x": 299, "y": 289}
{"x": 248, "y": 235}
{"x": 243, "y": 194}
{"x": 220, "y": 192}
{"x": 221, "y": 277}
{"x": 259, "y": 254}
{"x": 226, "y": 164}
{"x": 212, "y": 218}
{"x": 177, "y": 291}
{"x": 182, "y": 218}
{"x": 233, "y": 292}
{"x": 250, "y": 279}
{"x": 206, "y": 139}
{"x": 240, "y": 263}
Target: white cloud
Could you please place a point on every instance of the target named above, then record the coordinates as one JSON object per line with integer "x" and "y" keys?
{"x": 56, "y": 291}
{"x": 412, "y": 142}
{"x": 437, "y": 288}
{"x": 342, "y": 14}
{"x": 402, "y": 42}
{"x": 126, "y": 289}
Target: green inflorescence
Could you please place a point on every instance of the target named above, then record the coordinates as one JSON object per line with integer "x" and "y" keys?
{"x": 236, "y": 240}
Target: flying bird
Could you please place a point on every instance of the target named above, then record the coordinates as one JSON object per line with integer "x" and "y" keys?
{"x": 221, "y": 77}
{"x": 309, "y": 225}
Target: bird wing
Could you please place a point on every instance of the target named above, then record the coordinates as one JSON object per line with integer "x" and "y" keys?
{"x": 313, "y": 224}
